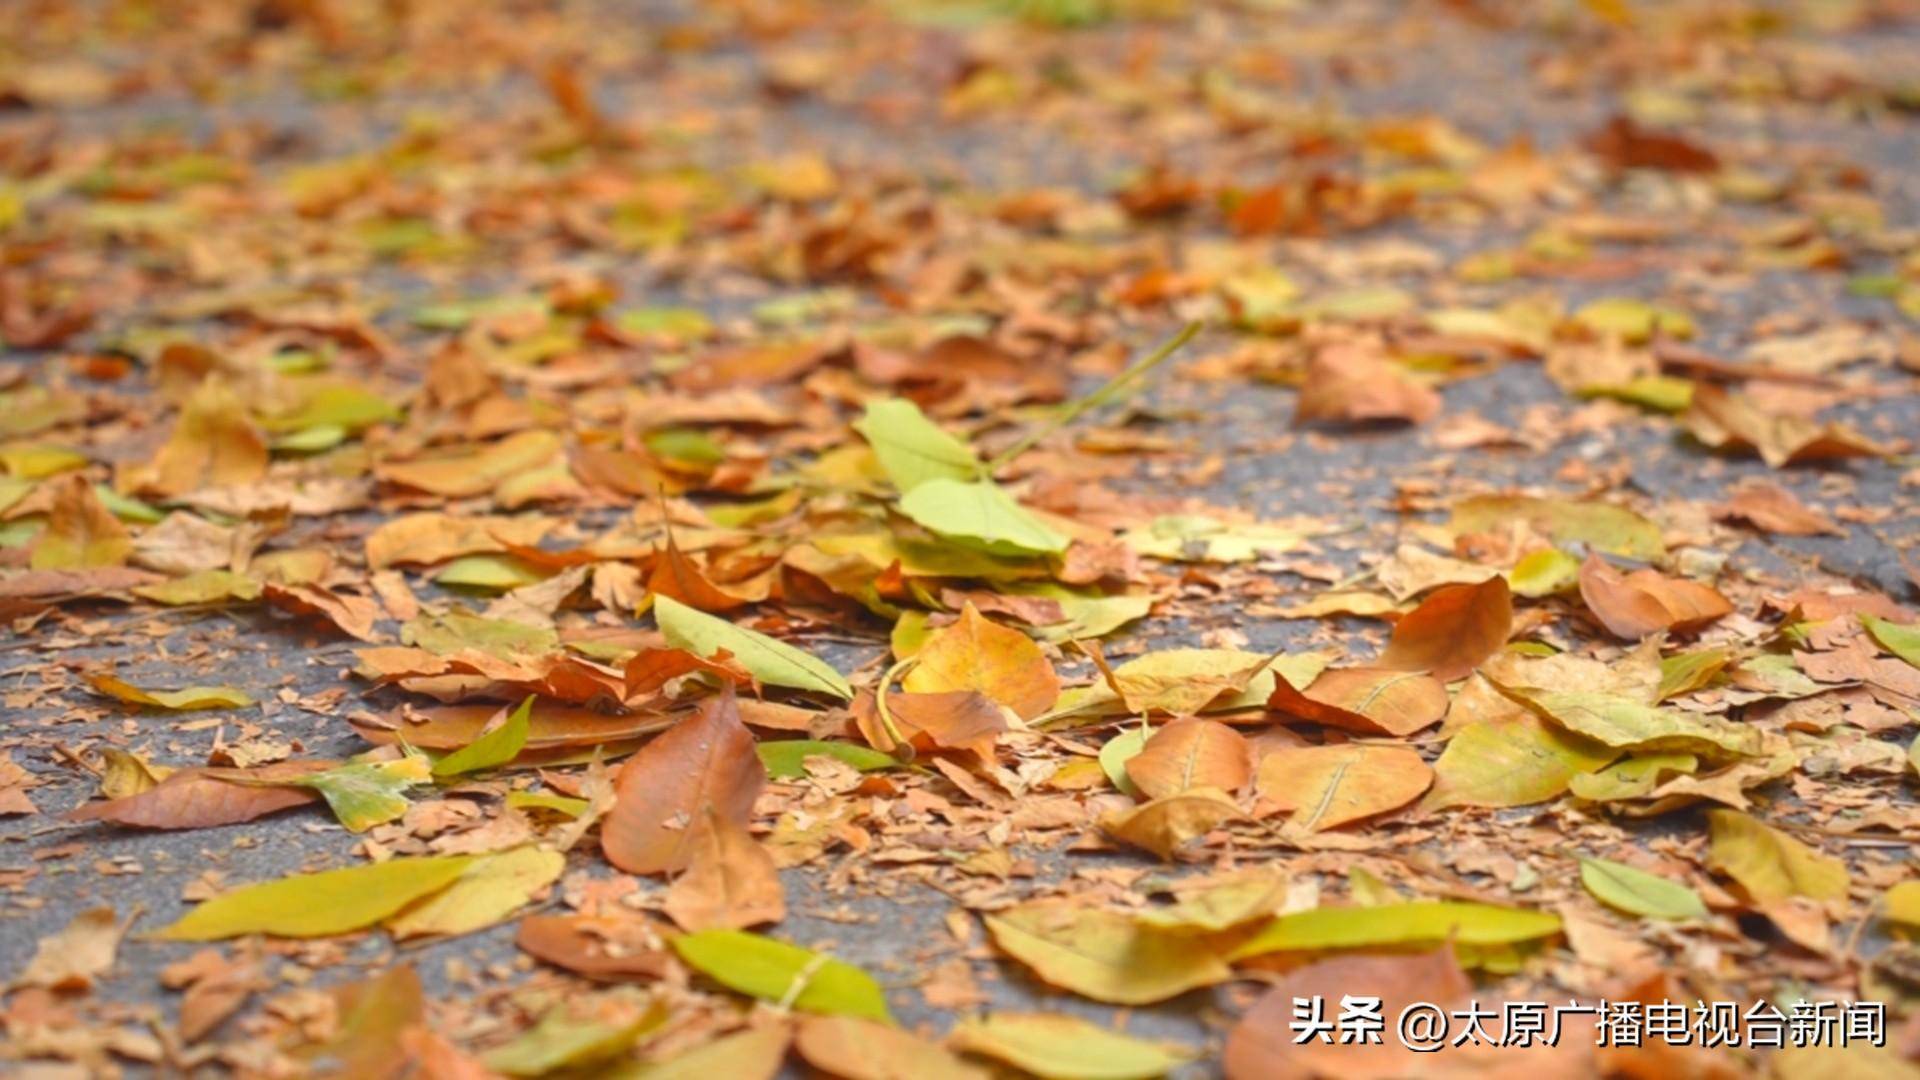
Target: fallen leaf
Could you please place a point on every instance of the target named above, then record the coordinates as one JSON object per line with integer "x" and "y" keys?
{"x": 754, "y": 1054}
{"x": 1262, "y": 1045}
{"x": 492, "y": 747}
{"x": 1647, "y": 602}
{"x": 1416, "y": 922}
{"x": 491, "y": 888}
{"x": 770, "y": 661}
{"x": 1770, "y": 865}
{"x": 1105, "y": 955}
{"x": 1191, "y": 753}
{"x": 973, "y": 653}
{"x": 772, "y": 970}
{"x": 320, "y": 904}
{"x": 1452, "y": 631}
{"x": 1615, "y": 530}
{"x": 705, "y": 761}
{"x": 857, "y": 1049}
{"x": 913, "y": 449}
{"x": 1164, "y": 825}
{"x": 1058, "y": 1047}
{"x": 1637, "y": 892}
{"x": 1771, "y": 508}
{"x": 1511, "y": 761}
{"x": 1728, "y": 420}
{"x": 730, "y": 882}
{"x": 1367, "y": 701}
{"x": 979, "y": 514}
{"x": 1329, "y": 786}
{"x": 561, "y": 1041}
{"x": 71, "y": 959}
{"x": 192, "y": 697}
{"x": 81, "y": 533}
{"x": 200, "y": 798}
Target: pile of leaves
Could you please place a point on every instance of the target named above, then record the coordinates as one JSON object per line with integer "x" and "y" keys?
{"x": 658, "y": 576}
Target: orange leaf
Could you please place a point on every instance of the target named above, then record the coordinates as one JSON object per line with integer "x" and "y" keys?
{"x": 1191, "y": 753}
{"x": 731, "y": 882}
{"x": 612, "y": 947}
{"x": 706, "y": 760}
{"x": 975, "y": 654}
{"x": 81, "y": 532}
{"x": 1329, "y": 786}
{"x": 1646, "y": 601}
{"x": 1370, "y": 701}
{"x": 1453, "y": 630}
{"x": 213, "y": 445}
{"x": 676, "y": 575}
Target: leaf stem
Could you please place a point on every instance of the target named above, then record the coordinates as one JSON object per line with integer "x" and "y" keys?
{"x": 1112, "y": 389}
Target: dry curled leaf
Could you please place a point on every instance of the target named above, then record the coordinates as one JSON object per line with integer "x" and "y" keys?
{"x": 1453, "y": 630}
{"x": 1647, "y": 602}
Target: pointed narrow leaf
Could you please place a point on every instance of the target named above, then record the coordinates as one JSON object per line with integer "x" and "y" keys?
{"x": 770, "y": 661}
{"x": 491, "y": 749}
{"x": 1637, "y": 892}
{"x": 318, "y": 905}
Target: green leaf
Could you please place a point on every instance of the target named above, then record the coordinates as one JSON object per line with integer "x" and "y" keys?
{"x": 981, "y": 515}
{"x": 778, "y": 971}
{"x": 1120, "y": 749}
{"x": 1058, "y": 1047}
{"x": 1689, "y": 671}
{"x": 494, "y": 748}
{"x": 367, "y": 793}
{"x": 770, "y": 661}
{"x": 1637, "y": 892}
{"x": 913, "y": 449}
{"x": 1625, "y": 724}
{"x": 1412, "y": 923}
{"x": 201, "y": 587}
{"x": 458, "y": 313}
{"x": 560, "y": 1041}
{"x": 318, "y": 905}
{"x": 1901, "y": 641}
{"x": 786, "y": 758}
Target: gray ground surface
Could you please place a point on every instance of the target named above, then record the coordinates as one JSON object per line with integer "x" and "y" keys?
{"x": 1465, "y": 73}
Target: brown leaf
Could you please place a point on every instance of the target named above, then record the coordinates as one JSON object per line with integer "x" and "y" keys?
{"x": 1191, "y": 753}
{"x": 1646, "y": 601}
{"x": 550, "y": 727}
{"x": 1369, "y": 701}
{"x": 1453, "y": 630}
{"x": 1726, "y": 420}
{"x": 1626, "y": 145}
{"x": 1773, "y": 509}
{"x": 705, "y": 760}
{"x": 975, "y": 654}
{"x": 352, "y": 615}
{"x": 1262, "y": 1047}
{"x": 216, "y": 987}
{"x": 676, "y": 575}
{"x": 1350, "y": 385}
{"x": 950, "y": 720}
{"x": 612, "y": 948}
{"x": 200, "y": 799}
{"x": 72, "y": 958}
{"x": 731, "y": 882}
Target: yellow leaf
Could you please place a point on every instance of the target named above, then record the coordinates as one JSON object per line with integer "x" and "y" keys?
{"x": 1059, "y": 1047}
{"x": 1105, "y": 955}
{"x": 318, "y": 905}
{"x": 1328, "y": 786}
{"x": 976, "y": 654}
{"x": 1511, "y": 761}
{"x": 1768, "y": 863}
{"x": 491, "y": 889}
